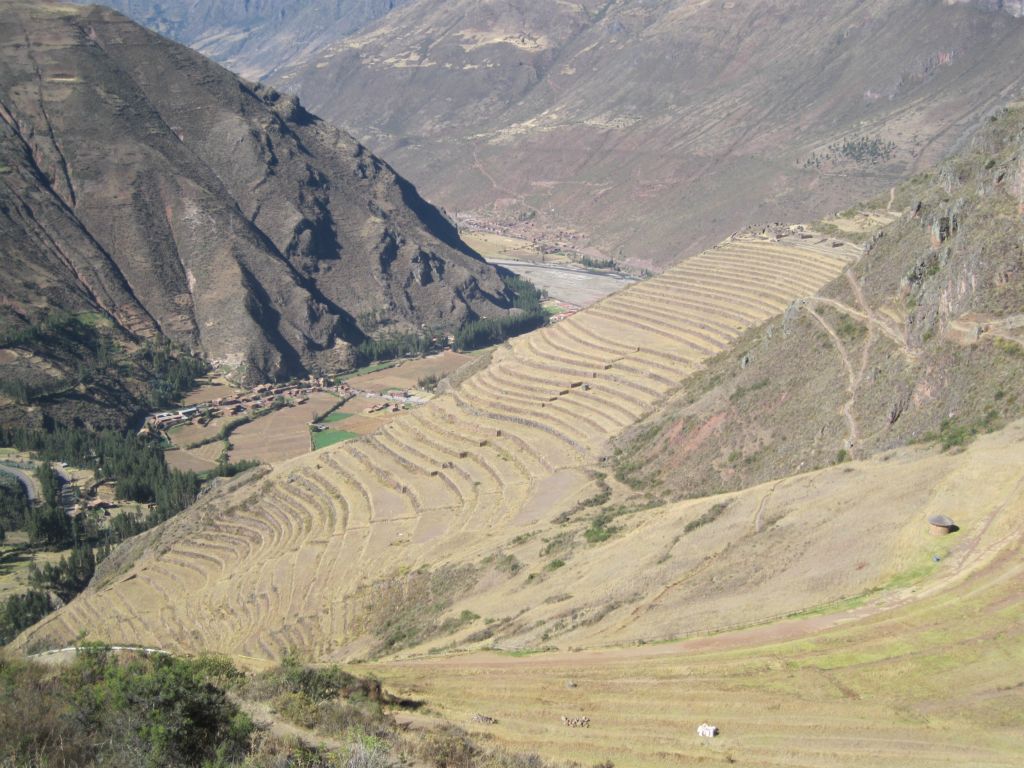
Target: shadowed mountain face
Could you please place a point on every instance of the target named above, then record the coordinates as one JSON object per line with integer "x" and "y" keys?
{"x": 144, "y": 182}
{"x": 654, "y": 127}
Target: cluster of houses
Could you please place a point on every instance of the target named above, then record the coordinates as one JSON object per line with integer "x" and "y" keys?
{"x": 263, "y": 396}
{"x": 258, "y": 398}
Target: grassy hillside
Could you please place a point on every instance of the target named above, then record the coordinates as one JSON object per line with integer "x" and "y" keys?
{"x": 920, "y": 341}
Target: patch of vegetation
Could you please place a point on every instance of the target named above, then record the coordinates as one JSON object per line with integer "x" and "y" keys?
{"x": 590, "y": 263}
{"x": 528, "y": 315}
{"x": 227, "y": 468}
{"x": 740, "y": 392}
{"x": 334, "y": 417}
{"x": 864, "y": 150}
{"x": 326, "y": 700}
{"x": 554, "y": 565}
{"x": 172, "y": 372}
{"x": 559, "y": 543}
{"x": 331, "y": 437}
{"x": 504, "y": 563}
{"x": 600, "y": 530}
{"x": 428, "y": 383}
{"x": 849, "y": 330}
{"x": 708, "y": 517}
{"x": 455, "y": 623}
{"x": 394, "y": 346}
{"x": 19, "y": 612}
{"x": 406, "y": 609}
{"x": 102, "y": 710}
{"x": 954, "y": 434}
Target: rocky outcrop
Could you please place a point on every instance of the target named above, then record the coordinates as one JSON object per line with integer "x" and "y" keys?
{"x": 143, "y": 181}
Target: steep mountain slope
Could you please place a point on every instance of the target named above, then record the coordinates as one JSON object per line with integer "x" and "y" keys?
{"x": 922, "y": 339}
{"x": 660, "y": 127}
{"x": 252, "y": 38}
{"x": 143, "y": 182}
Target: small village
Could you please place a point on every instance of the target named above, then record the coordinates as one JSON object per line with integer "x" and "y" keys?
{"x": 264, "y": 397}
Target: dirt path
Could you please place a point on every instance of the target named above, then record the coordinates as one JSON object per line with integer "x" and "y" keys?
{"x": 759, "y": 514}
{"x": 870, "y": 319}
{"x": 853, "y": 379}
{"x": 264, "y": 718}
{"x": 892, "y": 199}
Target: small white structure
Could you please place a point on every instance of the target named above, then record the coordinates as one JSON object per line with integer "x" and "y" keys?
{"x": 707, "y": 731}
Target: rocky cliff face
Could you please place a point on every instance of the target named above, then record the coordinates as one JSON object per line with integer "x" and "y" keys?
{"x": 145, "y": 182}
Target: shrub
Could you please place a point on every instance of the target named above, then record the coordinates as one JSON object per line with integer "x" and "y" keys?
{"x": 448, "y": 747}
{"x": 708, "y": 517}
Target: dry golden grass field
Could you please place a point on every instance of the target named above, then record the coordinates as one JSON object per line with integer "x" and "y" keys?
{"x": 407, "y": 374}
{"x": 280, "y": 435}
{"x": 493, "y": 246}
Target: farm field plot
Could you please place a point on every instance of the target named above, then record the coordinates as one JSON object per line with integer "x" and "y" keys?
{"x": 361, "y": 424}
{"x": 189, "y": 461}
{"x": 188, "y": 434}
{"x": 281, "y": 435}
{"x": 409, "y": 372}
{"x": 895, "y": 689}
{"x": 17, "y": 558}
{"x": 330, "y": 437}
{"x": 493, "y": 246}
{"x": 210, "y": 389}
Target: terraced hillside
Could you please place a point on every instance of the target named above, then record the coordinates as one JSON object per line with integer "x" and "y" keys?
{"x": 328, "y": 553}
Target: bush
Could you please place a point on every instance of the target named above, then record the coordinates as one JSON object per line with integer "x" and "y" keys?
{"x": 708, "y": 517}
{"x": 141, "y": 711}
{"x": 448, "y": 747}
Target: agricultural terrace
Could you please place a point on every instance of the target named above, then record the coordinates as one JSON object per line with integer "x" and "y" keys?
{"x": 288, "y": 562}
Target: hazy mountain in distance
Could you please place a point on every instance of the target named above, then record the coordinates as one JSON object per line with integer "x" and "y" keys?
{"x": 252, "y": 37}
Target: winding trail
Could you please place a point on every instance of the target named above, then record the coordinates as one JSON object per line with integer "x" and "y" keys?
{"x": 853, "y": 433}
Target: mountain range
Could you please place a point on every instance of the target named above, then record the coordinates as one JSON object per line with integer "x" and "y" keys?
{"x": 146, "y": 186}
{"x": 649, "y": 130}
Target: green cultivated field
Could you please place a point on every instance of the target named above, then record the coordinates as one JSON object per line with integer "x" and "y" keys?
{"x": 324, "y": 439}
